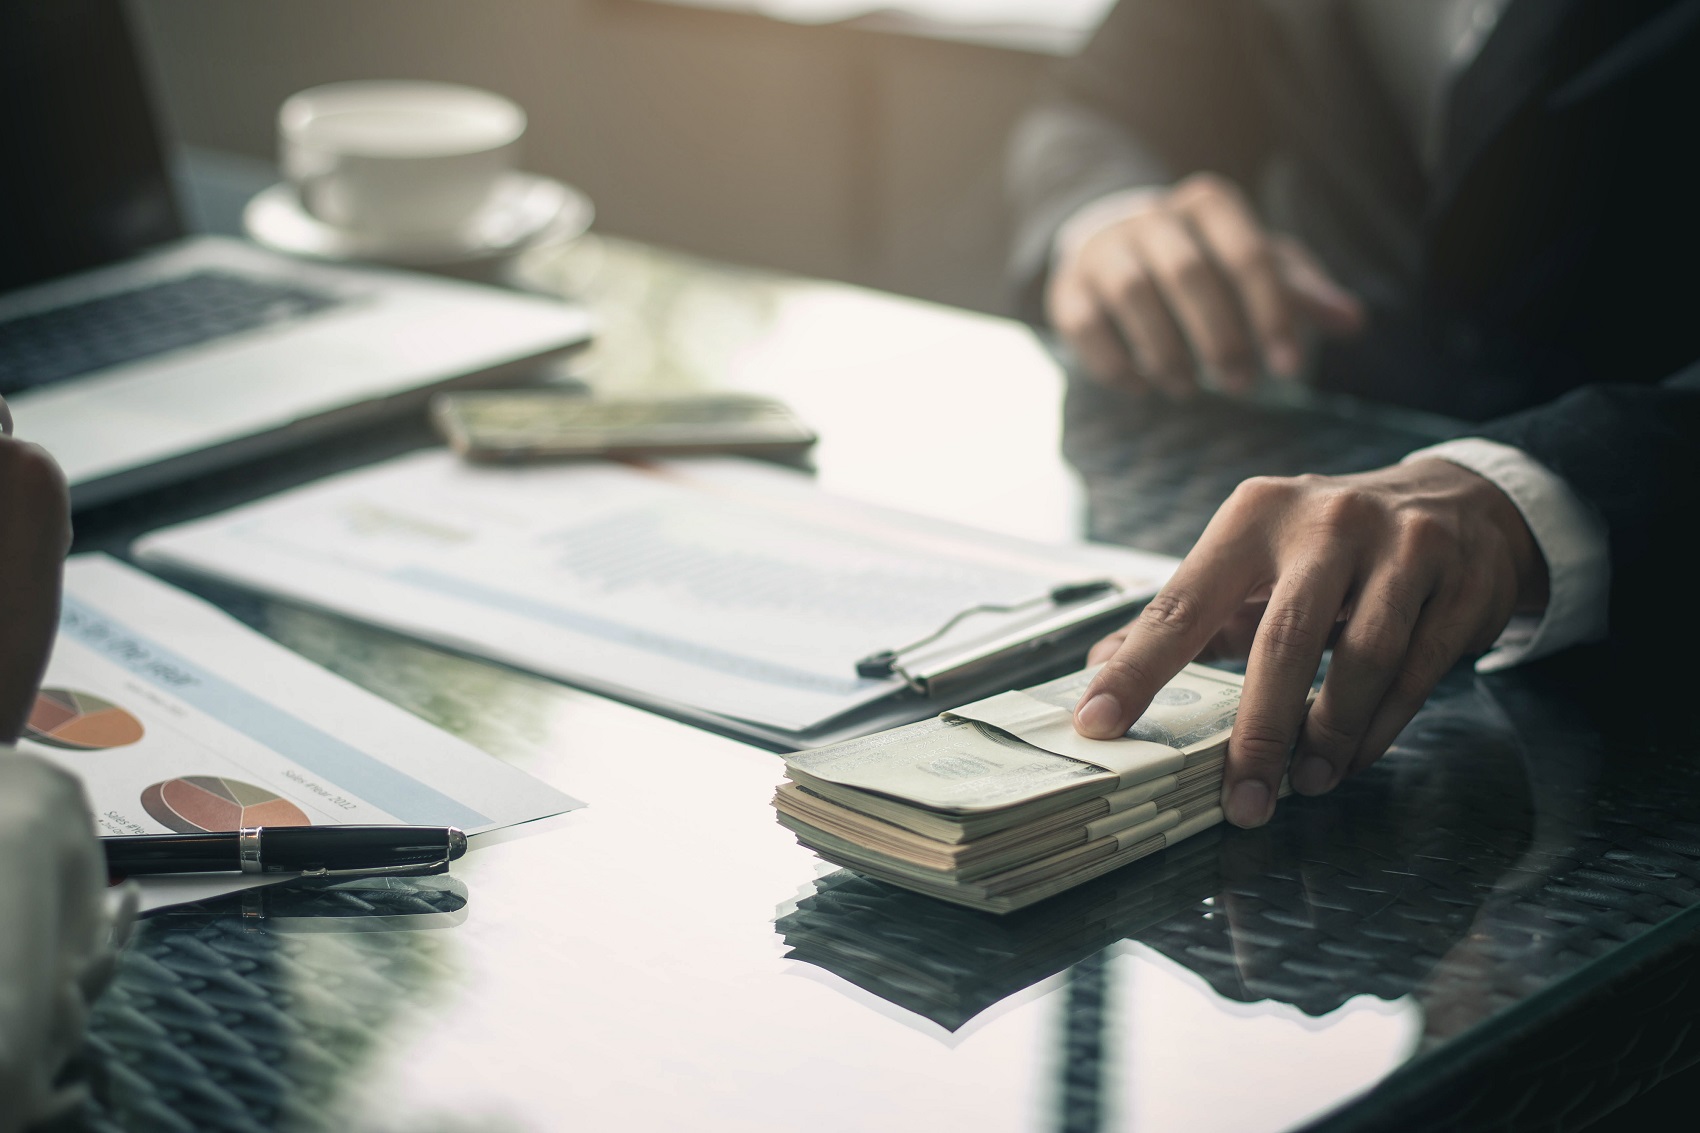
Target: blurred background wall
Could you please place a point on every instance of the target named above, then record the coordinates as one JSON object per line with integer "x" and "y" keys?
{"x": 858, "y": 154}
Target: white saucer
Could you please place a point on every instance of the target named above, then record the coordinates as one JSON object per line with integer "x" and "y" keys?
{"x": 526, "y": 209}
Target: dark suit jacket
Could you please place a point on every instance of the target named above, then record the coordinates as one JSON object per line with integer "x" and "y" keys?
{"x": 1546, "y": 270}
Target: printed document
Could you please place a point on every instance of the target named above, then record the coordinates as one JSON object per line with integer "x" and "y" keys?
{"x": 178, "y": 718}
{"x": 728, "y": 586}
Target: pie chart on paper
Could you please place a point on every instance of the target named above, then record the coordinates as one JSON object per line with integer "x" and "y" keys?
{"x": 203, "y": 803}
{"x": 80, "y": 721}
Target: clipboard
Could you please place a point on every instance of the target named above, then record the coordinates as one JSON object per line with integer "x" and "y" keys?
{"x": 730, "y": 594}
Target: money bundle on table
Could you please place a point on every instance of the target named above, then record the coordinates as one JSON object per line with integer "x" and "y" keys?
{"x": 1001, "y": 803}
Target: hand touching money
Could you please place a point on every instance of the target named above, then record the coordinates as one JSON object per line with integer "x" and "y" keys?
{"x": 1404, "y": 570}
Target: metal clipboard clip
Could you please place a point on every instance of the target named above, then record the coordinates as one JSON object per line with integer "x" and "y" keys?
{"x": 1077, "y": 609}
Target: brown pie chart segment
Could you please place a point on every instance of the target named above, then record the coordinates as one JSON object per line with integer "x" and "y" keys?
{"x": 197, "y": 803}
{"x": 80, "y": 721}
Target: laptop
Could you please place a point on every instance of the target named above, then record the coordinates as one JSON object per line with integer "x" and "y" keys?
{"x": 138, "y": 355}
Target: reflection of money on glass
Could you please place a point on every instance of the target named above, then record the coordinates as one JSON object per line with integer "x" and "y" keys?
{"x": 948, "y": 964}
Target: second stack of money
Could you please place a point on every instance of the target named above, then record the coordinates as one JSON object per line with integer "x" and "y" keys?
{"x": 1000, "y": 803}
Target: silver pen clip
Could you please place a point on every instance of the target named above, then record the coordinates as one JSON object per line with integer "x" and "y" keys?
{"x": 424, "y": 869}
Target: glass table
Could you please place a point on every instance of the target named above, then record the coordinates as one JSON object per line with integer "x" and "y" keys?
{"x": 1491, "y": 926}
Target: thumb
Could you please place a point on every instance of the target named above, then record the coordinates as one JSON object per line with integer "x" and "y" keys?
{"x": 1329, "y": 305}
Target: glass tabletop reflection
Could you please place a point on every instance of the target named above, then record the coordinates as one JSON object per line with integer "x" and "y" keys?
{"x": 668, "y": 957}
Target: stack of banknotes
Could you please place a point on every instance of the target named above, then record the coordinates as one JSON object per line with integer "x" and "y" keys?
{"x": 1000, "y": 803}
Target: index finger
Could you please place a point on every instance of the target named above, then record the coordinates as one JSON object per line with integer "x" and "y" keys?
{"x": 1171, "y": 631}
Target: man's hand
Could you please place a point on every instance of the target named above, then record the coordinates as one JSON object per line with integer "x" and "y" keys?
{"x": 1190, "y": 283}
{"x": 35, "y": 532}
{"x": 1405, "y": 570}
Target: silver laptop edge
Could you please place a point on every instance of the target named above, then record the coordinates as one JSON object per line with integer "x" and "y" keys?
{"x": 393, "y": 340}
{"x": 90, "y": 213}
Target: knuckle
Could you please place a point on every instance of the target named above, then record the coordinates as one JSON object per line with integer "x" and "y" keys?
{"x": 1343, "y": 511}
{"x": 1289, "y": 633}
{"x": 1174, "y": 610}
{"x": 1425, "y": 534}
{"x": 1262, "y": 492}
{"x": 1377, "y": 649}
{"x": 1259, "y": 746}
{"x": 1399, "y": 602}
{"x": 1123, "y": 671}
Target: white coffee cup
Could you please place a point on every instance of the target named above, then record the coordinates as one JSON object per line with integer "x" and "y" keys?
{"x": 407, "y": 160}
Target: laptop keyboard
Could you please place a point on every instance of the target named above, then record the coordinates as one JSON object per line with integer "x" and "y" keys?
{"x": 50, "y": 346}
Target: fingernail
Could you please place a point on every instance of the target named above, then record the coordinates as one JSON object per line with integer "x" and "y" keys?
{"x": 1312, "y": 775}
{"x": 1284, "y": 359}
{"x": 1248, "y": 803}
{"x": 1101, "y": 716}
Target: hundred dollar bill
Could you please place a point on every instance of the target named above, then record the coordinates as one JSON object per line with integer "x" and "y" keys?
{"x": 993, "y": 755}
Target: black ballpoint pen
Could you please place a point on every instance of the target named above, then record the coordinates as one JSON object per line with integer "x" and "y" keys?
{"x": 314, "y": 851}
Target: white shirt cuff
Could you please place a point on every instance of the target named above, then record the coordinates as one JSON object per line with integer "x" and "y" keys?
{"x": 1094, "y": 216}
{"x": 1571, "y": 535}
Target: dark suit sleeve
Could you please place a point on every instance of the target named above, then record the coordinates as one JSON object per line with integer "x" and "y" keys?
{"x": 1163, "y": 89}
{"x": 1633, "y": 452}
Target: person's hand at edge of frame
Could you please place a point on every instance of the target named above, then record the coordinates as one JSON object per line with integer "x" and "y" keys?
{"x": 1404, "y": 570}
{"x": 35, "y": 534}
{"x": 1190, "y": 283}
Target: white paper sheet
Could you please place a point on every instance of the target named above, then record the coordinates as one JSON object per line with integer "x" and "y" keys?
{"x": 176, "y": 717}
{"x": 728, "y": 586}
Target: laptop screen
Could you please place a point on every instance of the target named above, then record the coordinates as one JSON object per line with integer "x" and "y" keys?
{"x": 83, "y": 181}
